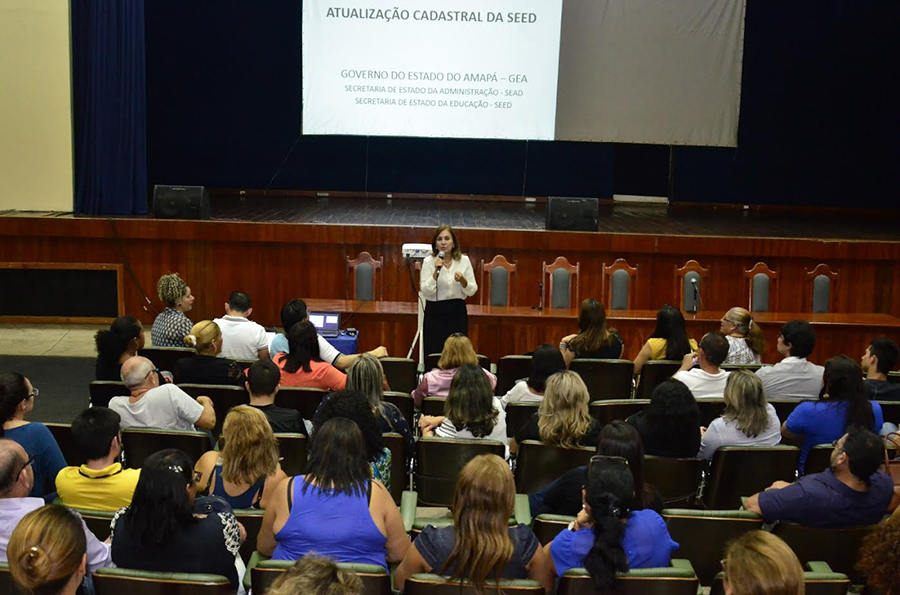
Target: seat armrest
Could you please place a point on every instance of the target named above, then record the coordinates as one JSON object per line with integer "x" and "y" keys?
{"x": 819, "y": 567}
{"x": 408, "y": 502}
{"x": 683, "y": 564}
{"x": 522, "y": 510}
{"x": 255, "y": 558}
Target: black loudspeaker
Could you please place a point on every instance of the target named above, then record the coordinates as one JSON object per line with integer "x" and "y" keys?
{"x": 180, "y": 202}
{"x": 573, "y": 214}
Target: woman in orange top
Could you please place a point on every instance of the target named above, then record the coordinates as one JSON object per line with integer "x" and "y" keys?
{"x": 303, "y": 366}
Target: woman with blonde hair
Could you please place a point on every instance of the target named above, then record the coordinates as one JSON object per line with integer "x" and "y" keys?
{"x": 458, "y": 351}
{"x": 47, "y": 552}
{"x": 593, "y": 338}
{"x": 171, "y": 325}
{"x": 480, "y": 546}
{"x": 748, "y": 419}
{"x": 746, "y": 343}
{"x": 563, "y": 418}
{"x": 206, "y": 368}
{"x": 245, "y": 471}
{"x": 316, "y": 575}
{"x": 759, "y": 563}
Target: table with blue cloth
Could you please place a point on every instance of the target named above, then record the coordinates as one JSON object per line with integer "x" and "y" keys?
{"x": 344, "y": 342}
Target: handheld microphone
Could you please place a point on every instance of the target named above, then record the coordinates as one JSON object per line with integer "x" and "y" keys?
{"x": 441, "y": 256}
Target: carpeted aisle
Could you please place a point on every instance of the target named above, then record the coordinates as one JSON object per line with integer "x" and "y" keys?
{"x": 62, "y": 382}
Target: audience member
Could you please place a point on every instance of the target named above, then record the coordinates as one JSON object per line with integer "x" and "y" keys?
{"x": 315, "y": 575}
{"x": 171, "y": 325}
{"x": 303, "y": 365}
{"x": 793, "y": 377}
{"x": 545, "y": 361}
{"x": 562, "y": 419}
{"x": 159, "y": 406}
{"x": 593, "y": 338}
{"x": 336, "y": 509}
{"x": 746, "y": 342}
{"x": 670, "y": 426}
{"x": 471, "y": 410}
{"x": 852, "y": 492}
{"x": 16, "y": 481}
{"x": 669, "y": 340}
{"x": 458, "y": 351}
{"x": 879, "y": 557}
{"x": 206, "y": 367}
{"x": 48, "y": 552}
{"x": 707, "y": 380}
{"x": 880, "y": 358}
{"x": 608, "y": 535}
{"x": 263, "y": 378}
{"x": 242, "y": 338}
{"x": 480, "y": 546}
{"x": 748, "y": 419}
{"x": 245, "y": 470}
{"x": 160, "y": 530}
{"x": 294, "y": 312}
{"x": 123, "y": 340}
{"x": 101, "y": 483}
{"x": 842, "y": 405}
{"x": 617, "y": 439}
{"x": 759, "y": 563}
{"x": 16, "y": 401}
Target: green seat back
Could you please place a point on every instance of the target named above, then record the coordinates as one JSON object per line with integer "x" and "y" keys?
{"x": 438, "y": 463}
{"x": 119, "y": 581}
{"x": 140, "y": 443}
{"x": 652, "y": 374}
{"x": 738, "y": 471}
{"x": 539, "y": 464}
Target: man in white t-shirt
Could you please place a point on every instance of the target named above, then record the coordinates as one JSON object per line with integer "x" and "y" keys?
{"x": 241, "y": 337}
{"x": 793, "y": 377}
{"x": 152, "y": 405}
{"x": 707, "y": 381}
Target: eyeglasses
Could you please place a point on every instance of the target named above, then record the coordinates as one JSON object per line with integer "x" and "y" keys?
{"x": 157, "y": 370}
{"x": 25, "y": 466}
{"x": 34, "y": 392}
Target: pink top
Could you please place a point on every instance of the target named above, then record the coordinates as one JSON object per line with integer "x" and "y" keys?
{"x": 437, "y": 384}
{"x": 321, "y": 375}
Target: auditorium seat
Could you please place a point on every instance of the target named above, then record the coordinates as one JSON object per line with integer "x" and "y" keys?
{"x": 748, "y": 367}
{"x": 678, "y": 579}
{"x": 7, "y": 585}
{"x": 251, "y": 519}
{"x": 140, "y": 443}
{"x": 405, "y": 403}
{"x": 548, "y": 526}
{"x": 375, "y": 579}
{"x": 302, "y": 399}
{"x": 703, "y": 534}
{"x": 617, "y": 409}
{"x": 97, "y": 521}
{"x": 438, "y": 463}
{"x": 654, "y": 372}
{"x": 63, "y": 435}
{"x": 165, "y": 358}
{"x": 818, "y": 459}
{"x": 399, "y": 473}
{"x": 511, "y": 368}
{"x": 363, "y": 278}
{"x": 677, "y": 479}
{"x": 102, "y": 391}
{"x": 839, "y": 548}
{"x": 739, "y": 471}
{"x": 710, "y": 409}
{"x": 517, "y": 415}
{"x": 891, "y": 411}
{"x": 821, "y": 581}
{"x": 293, "y": 449}
{"x": 500, "y": 285}
{"x": 223, "y": 398}
{"x": 433, "y": 405}
{"x": 538, "y": 464}
{"x": 401, "y": 373}
{"x": 433, "y": 584}
{"x": 561, "y": 283}
{"x": 784, "y": 407}
{"x": 119, "y": 581}
{"x": 432, "y": 359}
{"x": 606, "y": 378}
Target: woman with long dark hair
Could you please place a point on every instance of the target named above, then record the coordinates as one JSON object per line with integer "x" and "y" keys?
{"x": 545, "y": 361}
{"x": 843, "y": 403}
{"x": 669, "y": 340}
{"x": 303, "y": 366}
{"x": 593, "y": 338}
{"x": 122, "y": 341}
{"x": 670, "y": 426}
{"x": 480, "y": 546}
{"x": 608, "y": 535}
{"x": 160, "y": 531}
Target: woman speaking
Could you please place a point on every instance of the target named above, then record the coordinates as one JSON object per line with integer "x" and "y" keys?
{"x": 447, "y": 280}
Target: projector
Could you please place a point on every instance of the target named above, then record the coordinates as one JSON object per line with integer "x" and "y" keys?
{"x": 416, "y": 251}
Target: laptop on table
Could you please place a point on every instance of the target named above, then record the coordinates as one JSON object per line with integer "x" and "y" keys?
{"x": 327, "y": 323}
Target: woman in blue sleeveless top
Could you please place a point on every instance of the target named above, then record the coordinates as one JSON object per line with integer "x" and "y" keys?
{"x": 336, "y": 509}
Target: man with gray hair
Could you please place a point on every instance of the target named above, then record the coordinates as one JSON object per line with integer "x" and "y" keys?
{"x": 152, "y": 405}
{"x": 16, "y": 480}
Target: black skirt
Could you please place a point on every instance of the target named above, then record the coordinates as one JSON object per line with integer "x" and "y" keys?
{"x": 442, "y": 319}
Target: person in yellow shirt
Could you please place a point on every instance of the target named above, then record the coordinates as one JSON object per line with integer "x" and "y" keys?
{"x": 101, "y": 483}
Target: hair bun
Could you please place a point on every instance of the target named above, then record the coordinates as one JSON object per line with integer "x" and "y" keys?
{"x": 35, "y": 563}
{"x": 190, "y": 340}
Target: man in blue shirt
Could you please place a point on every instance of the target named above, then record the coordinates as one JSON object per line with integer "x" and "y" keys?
{"x": 852, "y": 492}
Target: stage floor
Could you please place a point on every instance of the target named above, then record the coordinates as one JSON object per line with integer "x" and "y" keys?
{"x": 620, "y": 218}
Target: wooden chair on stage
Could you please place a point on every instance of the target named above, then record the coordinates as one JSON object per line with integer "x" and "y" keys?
{"x": 501, "y": 275}
{"x": 761, "y": 282}
{"x": 821, "y": 289}
{"x": 691, "y": 271}
{"x": 619, "y": 285}
{"x": 558, "y": 278}
{"x": 363, "y": 276}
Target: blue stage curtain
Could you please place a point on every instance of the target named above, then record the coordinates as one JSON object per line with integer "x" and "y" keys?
{"x": 110, "y": 107}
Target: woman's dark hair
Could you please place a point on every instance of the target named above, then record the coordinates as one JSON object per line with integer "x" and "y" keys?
{"x": 112, "y": 344}
{"x": 470, "y": 403}
{"x": 593, "y": 334}
{"x": 455, "y": 253}
{"x": 337, "y": 458}
{"x": 670, "y": 326}
{"x": 303, "y": 342}
{"x": 844, "y": 382}
{"x": 13, "y": 391}
{"x": 353, "y": 405}
{"x": 545, "y": 362}
{"x": 292, "y": 312}
{"x": 620, "y": 439}
{"x": 672, "y": 411}
{"x": 160, "y": 506}
{"x": 609, "y": 492}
